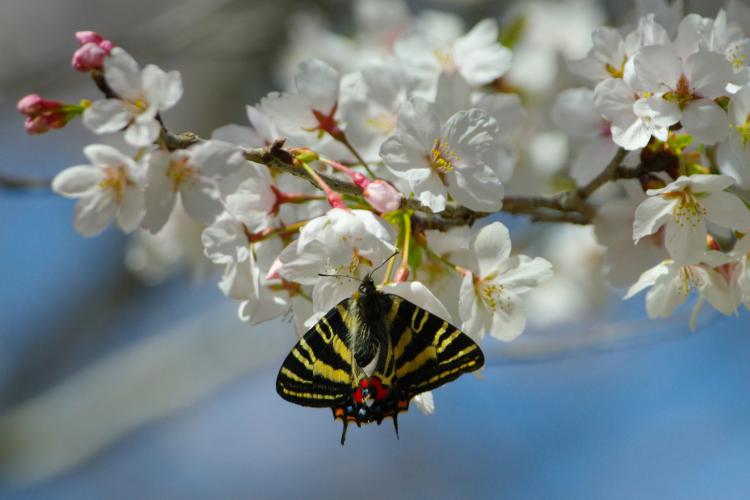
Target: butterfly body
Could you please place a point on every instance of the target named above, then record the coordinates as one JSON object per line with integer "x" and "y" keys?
{"x": 371, "y": 354}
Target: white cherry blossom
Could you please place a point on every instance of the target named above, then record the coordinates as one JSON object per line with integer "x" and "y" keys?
{"x": 611, "y": 50}
{"x": 684, "y": 207}
{"x": 141, "y": 96}
{"x": 344, "y": 242}
{"x": 634, "y": 117}
{"x": 110, "y": 188}
{"x": 193, "y": 174}
{"x": 670, "y": 284}
{"x": 455, "y": 157}
{"x": 733, "y": 155}
{"x": 492, "y": 286}
{"x": 477, "y": 55}
{"x": 687, "y": 89}
{"x": 312, "y": 111}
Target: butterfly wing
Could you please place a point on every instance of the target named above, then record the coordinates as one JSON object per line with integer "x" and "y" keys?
{"x": 318, "y": 371}
{"x": 429, "y": 351}
{"x": 425, "y": 353}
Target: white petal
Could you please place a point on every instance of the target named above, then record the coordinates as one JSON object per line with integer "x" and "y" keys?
{"x": 103, "y": 155}
{"x": 431, "y": 193}
{"x": 160, "y": 88}
{"x": 614, "y": 100}
{"x": 708, "y": 73}
{"x": 650, "y": 215}
{"x": 648, "y": 279}
{"x": 425, "y": 402}
{"x": 726, "y": 210}
{"x": 123, "y": 75}
{"x": 666, "y": 294}
{"x": 142, "y": 133}
{"x": 106, "y": 115}
{"x": 419, "y": 295}
{"x": 201, "y": 200}
{"x": 686, "y": 243}
{"x": 476, "y": 320}
{"x": 634, "y": 136}
{"x": 480, "y": 57}
{"x": 708, "y": 183}
{"x": 739, "y": 106}
{"x": 524, "y": 274}
{"x": 705, "y": 121}
{"x": 574, "y": 112}
{"x": 657, "y": 66}
{"x": 216, "y": 158}
{"x": 94, "y": 213}
{"x": 132, "y": 208}
{"x": 508, "y": 322}
{"x": 491, "y": 245}
{"x": 76, "y": 181}
{"x": 318, "y": 82}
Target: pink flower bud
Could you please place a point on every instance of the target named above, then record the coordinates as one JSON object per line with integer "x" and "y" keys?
{"x": 402, "y": 274}
{"x": 89, "y": 56}
{"x": 85, "y": 37}
{"x": 31, "y": 105}
{"x": 360, "y": 180}
{"x": 107, "y": 46}
{"x": 36, "y": 125}
{"x": 382, "y": 196}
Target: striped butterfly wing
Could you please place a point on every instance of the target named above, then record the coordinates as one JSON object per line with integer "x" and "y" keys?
{"x": 428, "y": 351}
{"x": 318, "y": 371}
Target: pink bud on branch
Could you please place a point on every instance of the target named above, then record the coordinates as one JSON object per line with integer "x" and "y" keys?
{"x": 92, "y": 52}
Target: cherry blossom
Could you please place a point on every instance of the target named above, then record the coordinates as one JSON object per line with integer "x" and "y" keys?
{"x": 192, "y": 174}
{"x": 312, "y": 111}
{"x": 109, "y": 188}
{"x": 635, "y": 117}
{"x": 684, "y": 207}
{"x": 141, "y": 96}
{"x": 490, "y": 292}
{"x": 686, "y": 89}
{"x": 477, "y": 55}
{"x": 733, "y": 155}
{"x": 453, "y": 158}
{"x": 343, "y": 242}
{"x": 670, "y": 284}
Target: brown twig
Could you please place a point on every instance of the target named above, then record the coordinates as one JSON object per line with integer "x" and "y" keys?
{"x": 8, "y": 182}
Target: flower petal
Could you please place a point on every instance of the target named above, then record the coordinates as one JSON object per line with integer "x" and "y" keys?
{"x": 705, "y": 121}
{"x": 123, "y": 74}
{"x": 76, "y": 181}
{"x": 650, "y": 215}
{"x": 686, "y": 242}
{"x": 106, "y": 115}
{"x": 491, "y": 245}
{"x": 726, "y": 210}
{"x": 94, "y": 212}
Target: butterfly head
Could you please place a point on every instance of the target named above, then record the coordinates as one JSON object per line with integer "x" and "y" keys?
{"x": 367, "y": 286}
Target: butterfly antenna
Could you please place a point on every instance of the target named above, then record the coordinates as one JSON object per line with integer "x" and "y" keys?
{"x": 384, "y": 262}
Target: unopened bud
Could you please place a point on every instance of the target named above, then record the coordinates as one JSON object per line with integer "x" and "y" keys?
{"x": 31, "y": 105}
{"x": 85, "y": 37}
{"x": 402, "y": 274}
{"x": 382, "y": 196}
{"x": 89, "y": 57}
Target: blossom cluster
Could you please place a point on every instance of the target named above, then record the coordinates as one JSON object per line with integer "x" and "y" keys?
{"x": 400, "y": 139}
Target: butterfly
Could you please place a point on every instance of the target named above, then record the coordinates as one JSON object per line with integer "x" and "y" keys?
{"x": 371, "y": 354}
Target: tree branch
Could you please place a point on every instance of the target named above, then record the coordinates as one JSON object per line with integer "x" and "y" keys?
{"x": 8, "y": 182}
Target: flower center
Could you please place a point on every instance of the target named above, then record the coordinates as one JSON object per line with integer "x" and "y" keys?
{"x": 689, "y": 279}
{"x": 136, "y": 106}
{"x": 744, "y": 131}
{"x": 614, "y": 71}
{"x": 688, "y": 209}
{"x": 493, "y": 295}
{"x": 115, "y": 179}
{"x": 681, "y": 94}
{"x": 443, "y": 158}
{"x": 445, "y": 60}
{"x": 180, "y": 173}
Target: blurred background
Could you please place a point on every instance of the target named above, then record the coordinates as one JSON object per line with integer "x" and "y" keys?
{"x": 121, "y": 382}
